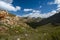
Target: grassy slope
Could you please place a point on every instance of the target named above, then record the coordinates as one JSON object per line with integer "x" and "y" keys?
{"x": 46, "y": 32}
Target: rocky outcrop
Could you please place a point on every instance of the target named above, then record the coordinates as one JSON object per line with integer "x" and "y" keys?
{"x": 9, "y": 19}
{"x": 3, "y": 14}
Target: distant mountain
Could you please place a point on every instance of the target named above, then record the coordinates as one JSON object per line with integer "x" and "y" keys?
{"x": 54, "y": 20}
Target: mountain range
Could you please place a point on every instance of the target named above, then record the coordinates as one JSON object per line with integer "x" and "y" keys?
{"x": 54, "y": 20}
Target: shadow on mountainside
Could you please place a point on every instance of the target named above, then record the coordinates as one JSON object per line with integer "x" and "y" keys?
{"x": 54, "y": 20}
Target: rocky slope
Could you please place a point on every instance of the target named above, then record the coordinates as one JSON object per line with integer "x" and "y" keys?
{"x": 10, "y": 19}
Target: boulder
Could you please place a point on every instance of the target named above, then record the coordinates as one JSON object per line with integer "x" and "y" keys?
{"x": 3, "y": 14}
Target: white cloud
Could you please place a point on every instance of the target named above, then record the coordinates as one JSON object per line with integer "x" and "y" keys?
{"x": 46, "y": 15}
{"x": 18, "y": 8}
{"x": 7, "y": 1}
{"x": 37, "y": 13}
{"x": 32, "y": 15}
{"x": 57, "y": 1}
{"x": 8, "y": 6}
{"x": 26, "y": 10}
{"x": 58, "y": 5}
{"x": 58, "y": 8}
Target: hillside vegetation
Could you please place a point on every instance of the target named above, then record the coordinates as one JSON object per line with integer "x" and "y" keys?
{"x": 16, "y": 28}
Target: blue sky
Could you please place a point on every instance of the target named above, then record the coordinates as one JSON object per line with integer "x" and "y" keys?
{"x": 39, "y": 6}
{"x": 35, "y": 4}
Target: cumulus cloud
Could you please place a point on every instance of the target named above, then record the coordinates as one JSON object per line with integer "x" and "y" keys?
{"x": 58, "y": 4}
{"x": 26, "y": 10}
{"x": 37, "y": 13}
{"x": 8, "y": 6}
{"x": 46, "y": 15}
{"x": 18, "y": 8}
{"x": 7, "y": 1}
{"x": 57, "y": 1}
{"x": 33, "y": 14}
